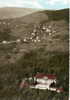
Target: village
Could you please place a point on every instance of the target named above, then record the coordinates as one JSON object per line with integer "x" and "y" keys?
{"x": 39, "y": 33}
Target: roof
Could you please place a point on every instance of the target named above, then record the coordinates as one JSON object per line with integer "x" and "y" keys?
{"x": 60, "y": 89}
{"x": 42, "y": 75}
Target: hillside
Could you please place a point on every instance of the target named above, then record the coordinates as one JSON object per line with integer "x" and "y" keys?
{"x": 43, "y": 47}
{"x": 13, "y": 12}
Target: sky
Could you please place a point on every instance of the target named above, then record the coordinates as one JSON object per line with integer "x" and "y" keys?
{"x": 40, "y": 4}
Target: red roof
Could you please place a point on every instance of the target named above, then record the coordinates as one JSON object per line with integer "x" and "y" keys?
{"x": 51, "y": 76}
{"x": 42, "y": 75}
{"x": 60, "y": 89}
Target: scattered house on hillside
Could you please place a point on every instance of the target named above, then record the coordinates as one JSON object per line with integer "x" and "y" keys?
{"x": 25, "y": 39}
{"x": 43, "y": 78}
{"x": 53, "y": 31}
{"x": 18, "y": 40}
{"x": 35, "y": 40}
{"x": 31, "y": 38}
{"x": 35, "y": 30}
{"x": 39, "y": 40}
{"x": 8, "y": 42}
{"x": 44, "y": 27}
{"x": 48, "y": 30}
{"x": 33, "y": 34}
{"x": 49, "y": 26}
{"x": 50, "y": 34}
{"x": 4, "y": 42}
{"x": 41, "y": 81}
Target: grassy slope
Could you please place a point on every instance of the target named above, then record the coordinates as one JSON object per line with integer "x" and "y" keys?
{"x": 13, "y": 12}
{"x": 40, "y": 59}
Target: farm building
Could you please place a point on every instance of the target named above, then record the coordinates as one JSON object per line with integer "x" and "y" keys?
{"x": 41, "y": 81}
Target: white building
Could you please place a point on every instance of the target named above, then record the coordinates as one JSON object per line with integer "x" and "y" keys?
{"x": 18, "y": 40}
{"x": 4, "y": 42}
{"x": 48, "y": 30}
{"x": 42, "y": 82}
{"x": 25, "y": 40}
{"x": 45, "y": 79}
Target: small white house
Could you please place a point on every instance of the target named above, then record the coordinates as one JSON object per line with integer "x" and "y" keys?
{"x": 4, "y": 42}
{"x": 35, "y": 40}
{"x": 33, "y": 34}
{"x": 45, "y": 79}
{"x": 50, "y": 34}
{"x": 48, "y": 30}
{"x": 18, "y": 40}
{"x": 44, "y": 28}
{"x": 25, "y": 40}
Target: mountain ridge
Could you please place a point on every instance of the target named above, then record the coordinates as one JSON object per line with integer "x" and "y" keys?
{"x": 12, "y": 12}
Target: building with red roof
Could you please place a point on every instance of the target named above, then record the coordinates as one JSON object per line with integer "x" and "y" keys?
{"x": 45, "y": 79}
{"x": 42, "y": 81}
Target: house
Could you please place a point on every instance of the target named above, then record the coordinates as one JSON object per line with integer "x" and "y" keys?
{"x": 41, "y": 81}
{"x": 4, "y": 42}
{"x": 25, "y": 39}
{"x": 18, "y": 40}
{"x": 44, "y": 78}
{"x": 48, "y": 30}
